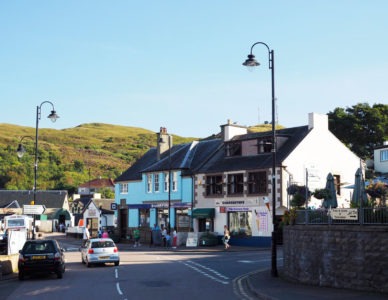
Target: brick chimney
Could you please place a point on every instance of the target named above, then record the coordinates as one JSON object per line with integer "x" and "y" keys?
{"x": 163, "y": 141}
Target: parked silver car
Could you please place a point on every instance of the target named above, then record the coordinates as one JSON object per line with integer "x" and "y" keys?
{"x": 100, "y": 251}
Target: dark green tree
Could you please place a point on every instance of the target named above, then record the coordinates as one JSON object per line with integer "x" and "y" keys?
{"x": 360, "y": 127}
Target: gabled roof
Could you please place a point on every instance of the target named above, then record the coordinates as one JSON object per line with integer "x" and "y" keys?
{"x": 287, "y": 140}
{"x": 134, "y": 172}
{"x": 50, "y": 199}
{"x": 185, "y": 157}
{"x": 208, "y": 156}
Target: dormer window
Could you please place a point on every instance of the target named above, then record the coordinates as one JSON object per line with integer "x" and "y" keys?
{"x": 233, "y": 149}
{"x": 264, "y": 145}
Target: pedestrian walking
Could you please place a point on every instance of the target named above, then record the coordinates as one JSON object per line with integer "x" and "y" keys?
{"x": 164, "y": 233}
{"x": 136, "y": 236}
{"x": 105, "y": 234}
{"x": 174, "y": 238}
{"x": 86, "y": 235}
{"x": 226, "y": 237}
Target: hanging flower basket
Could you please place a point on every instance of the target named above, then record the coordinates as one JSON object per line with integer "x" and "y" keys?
{"x": 322, "y": 194}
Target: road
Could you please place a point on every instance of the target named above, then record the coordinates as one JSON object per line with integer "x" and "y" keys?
{"x": 145, "y": 274}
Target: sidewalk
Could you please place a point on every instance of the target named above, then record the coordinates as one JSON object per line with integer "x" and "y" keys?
{"x": 266, "y": 287}
{"x": 259, "y": 283}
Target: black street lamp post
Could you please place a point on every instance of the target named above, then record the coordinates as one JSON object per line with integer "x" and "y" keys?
{"x": 169, "y": 184}
{"x": 251, "y": 62}
{"x": 20, "y": 151}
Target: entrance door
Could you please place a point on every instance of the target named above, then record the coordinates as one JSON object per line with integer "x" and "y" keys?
{"x": 123, "y": 222}
{"x": 93, "y": 226}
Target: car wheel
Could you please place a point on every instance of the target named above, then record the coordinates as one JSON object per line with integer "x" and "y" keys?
{"x": 21, "y": 276}
{"x": 88, "y": 264}
{"x": 117, "y": 263}
{"x": 59, "y": 274}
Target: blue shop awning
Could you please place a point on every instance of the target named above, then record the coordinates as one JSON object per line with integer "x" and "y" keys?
{"x": 203, "y": 213}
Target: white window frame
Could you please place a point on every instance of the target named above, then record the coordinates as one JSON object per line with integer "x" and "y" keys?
{"x": 156, "y": 183}
{"x": 174, "y": 181}
{"x": 123, "y": 188}
{"x": 384, "y": 155}
{"x": 149, "y": 183}
{"x": 166, "y": 181}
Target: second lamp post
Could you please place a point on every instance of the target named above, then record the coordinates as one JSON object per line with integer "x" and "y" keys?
{"x": 251, "y": 62}
{"x": 53, "y": 117}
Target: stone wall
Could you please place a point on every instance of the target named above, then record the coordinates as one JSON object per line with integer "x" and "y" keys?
{"x": 341, "y": 256}
{"x": 9, "y": 264}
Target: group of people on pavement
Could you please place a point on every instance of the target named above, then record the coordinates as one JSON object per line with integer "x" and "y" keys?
{"x": 165, "y": 236}
{"x": 162, "y": 236}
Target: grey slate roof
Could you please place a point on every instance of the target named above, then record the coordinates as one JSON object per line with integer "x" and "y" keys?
{"x": 185, "y": 157}
{"x": 208, "y": 156}
{"x": 51, "y": 199}
{"x": 287, "y": 140}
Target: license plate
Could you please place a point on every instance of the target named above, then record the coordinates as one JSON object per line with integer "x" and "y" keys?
{"x": 103, "y": 257}
{"x": 39, "y": 257}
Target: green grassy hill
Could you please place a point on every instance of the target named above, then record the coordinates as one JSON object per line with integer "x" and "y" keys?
{"x": 71, "y": 156}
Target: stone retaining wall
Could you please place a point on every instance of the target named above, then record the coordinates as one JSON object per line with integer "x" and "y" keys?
{"x": 341, "y": 256}
{"x": 9, "y": 264}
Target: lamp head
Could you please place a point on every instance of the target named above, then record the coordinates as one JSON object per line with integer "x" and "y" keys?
{"x": 251, "y": 62}
{"x": 20, "y": 151}
{"x": 53, "y": 116}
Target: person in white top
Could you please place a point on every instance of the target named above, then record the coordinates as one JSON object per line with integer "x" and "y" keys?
{"x": 86, "y": 235}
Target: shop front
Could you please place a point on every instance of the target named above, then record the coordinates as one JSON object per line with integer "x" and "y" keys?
{"x": 249, "y": 222}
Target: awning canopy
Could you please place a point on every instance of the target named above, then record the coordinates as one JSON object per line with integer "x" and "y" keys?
{"x": 203, "y": 213}
{"x": 64, "y": 212}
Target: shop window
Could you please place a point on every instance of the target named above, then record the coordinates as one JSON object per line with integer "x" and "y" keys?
{"x": 257, "y": 182}
{"x": 182, "y": 220}
{"x": 240, "y": 223}
{"x": 235, "y": 184}
{"x": 144, "y": 215}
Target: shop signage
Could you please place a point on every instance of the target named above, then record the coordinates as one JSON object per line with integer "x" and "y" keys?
{"x": 192, "y": 239}
{"x": 238, "y": 209}
{"x": 33, "y": 209}
{"x": 344, "y": 213}
{"x": 237, "y": 202}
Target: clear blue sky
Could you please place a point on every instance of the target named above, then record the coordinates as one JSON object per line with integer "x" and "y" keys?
{"x": 178, "y": 64}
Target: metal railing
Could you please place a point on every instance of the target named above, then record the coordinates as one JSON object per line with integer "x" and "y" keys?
{"x": 365, "y": 216}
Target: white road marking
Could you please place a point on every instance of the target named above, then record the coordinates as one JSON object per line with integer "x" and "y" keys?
{"x": 200, "y": 269}
{"x": 118, "y": 288}
{"x": 205, "y": 271}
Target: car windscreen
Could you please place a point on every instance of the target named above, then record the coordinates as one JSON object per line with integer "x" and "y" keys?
{"x": 103, "y": 244}
{"x": 41, "y": 247}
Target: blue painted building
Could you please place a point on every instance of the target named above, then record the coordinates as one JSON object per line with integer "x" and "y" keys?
{"x": 158, "y": 188}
